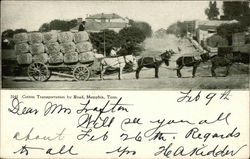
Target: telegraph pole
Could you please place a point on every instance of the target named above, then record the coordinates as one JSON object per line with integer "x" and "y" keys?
{"x": 104, "y": 43}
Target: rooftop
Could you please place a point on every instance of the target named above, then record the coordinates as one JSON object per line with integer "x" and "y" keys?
{"x": 92, "y": 25}
{"x": 213, "y": 24}
{"x": 104, "y": 16}
{"x": 216, "y": 22}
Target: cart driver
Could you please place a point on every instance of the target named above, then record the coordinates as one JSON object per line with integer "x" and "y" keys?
{"x": 82, "y": 26}
{"x": 113, "y": 52}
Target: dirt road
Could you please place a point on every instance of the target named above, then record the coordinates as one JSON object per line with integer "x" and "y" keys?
{"x": 238, "y": 78}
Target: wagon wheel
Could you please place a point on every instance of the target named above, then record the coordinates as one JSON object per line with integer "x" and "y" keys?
{"x": 81, "y": 73}
{"x": 39, "y": 72}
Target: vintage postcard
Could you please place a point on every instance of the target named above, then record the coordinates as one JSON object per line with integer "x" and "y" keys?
{"x": 147, "y": 45}
{"x": 125, "y": 79}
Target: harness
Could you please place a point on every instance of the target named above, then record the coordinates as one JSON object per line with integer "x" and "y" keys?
{"x": 183, "y": 62}
{"x": 154, "y": 60}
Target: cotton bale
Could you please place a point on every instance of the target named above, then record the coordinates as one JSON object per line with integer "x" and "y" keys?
{"x": 70, "y": 57}
{"x": 43, "y": 58}
{"x": 50, "y": 37}
{"x": 86, "y": 57}
{"x": 35, "y": 38}
{"x": 56, "y": 58}
{"x": 53, "y": 47}
{"x": 84, "y": 47}
{"x": 81, "y": 36}
{"x": 21, "y": 38}
{"x": 24, "y": 59}
{"x": 37, "y": 48}
{"x": 68, "y": 47}
{"x": 65, "y": 37}
{"x": 22, "y": 48}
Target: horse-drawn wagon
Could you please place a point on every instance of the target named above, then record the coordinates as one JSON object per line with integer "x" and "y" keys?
{"x": 65, "y": 53}
{"x": 38, "y": 71}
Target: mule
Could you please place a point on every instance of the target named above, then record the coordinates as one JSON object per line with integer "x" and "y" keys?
{"x": 152, "y": 62}
{"x": 190, "y": 61}
{"x": 117, "y": 63}
{"x": 221, "y": 61}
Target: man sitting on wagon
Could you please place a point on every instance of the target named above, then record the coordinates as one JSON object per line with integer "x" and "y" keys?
{"x": 113, "y": 52}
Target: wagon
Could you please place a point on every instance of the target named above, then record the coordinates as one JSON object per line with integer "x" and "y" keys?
{"x": 38, "y": 71}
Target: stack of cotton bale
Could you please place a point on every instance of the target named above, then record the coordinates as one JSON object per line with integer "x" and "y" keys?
{"x": 22, "y": 48}
{"x": 83, "y": 47}
{"x": 53, "y": 48}
{"x": 29, "y": 48}
{"x": 37, "y": 48}
{"x": 68, "y": 47}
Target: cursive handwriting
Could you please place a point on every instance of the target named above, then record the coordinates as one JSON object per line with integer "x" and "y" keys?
{"x": 17, "y": 109}
{"x": 30, "y": 136}
{"x": 94, "y": 117}
{"x": 162, "y": 136}
{"x": 162, "y": 123}
{"x": 25, "y": 149}
{"x": 125, "y": 137}
{"x": 203, "y": 150}
{"x": 127, "y": 121}
{"x": 50, "y": 151}
{"x": 190, "y": 97}
{"x": 58, "y": 108}
{"x": 122, "y": 151}
{"x": 61, "y": 151}
{"x": 87, "y": 133}
{"x": 220, "y": 118}
{"x": 194, "y": 133}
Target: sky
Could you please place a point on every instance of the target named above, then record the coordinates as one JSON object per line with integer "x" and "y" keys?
{"x": 31, "y": 15}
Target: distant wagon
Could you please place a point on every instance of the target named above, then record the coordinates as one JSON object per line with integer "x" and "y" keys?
{"x": 241, "y": 47}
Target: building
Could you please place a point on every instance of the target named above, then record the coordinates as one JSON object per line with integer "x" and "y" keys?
{"x": 99, "y": 22}
{"x": 205, "y": 29}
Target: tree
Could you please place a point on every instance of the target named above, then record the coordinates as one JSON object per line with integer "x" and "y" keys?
{"x": 9, "y": 33}
{"x": 178, "y": 28}
{"x": 57, "y": 24}
{"x": 235, "y": 9}
{"x": 111, "y": 40}
{"x": 143, "y": 26}
{"x": 45, "y": 27}
{"x": 130, "y": 39}
{"x": 212, "y": 11}
{"x": 20, "y": 31}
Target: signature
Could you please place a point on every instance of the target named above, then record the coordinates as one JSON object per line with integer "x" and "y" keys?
{"x": 203, "y": 150}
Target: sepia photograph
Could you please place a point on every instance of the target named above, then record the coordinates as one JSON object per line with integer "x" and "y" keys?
{"x": 125, "y": 45}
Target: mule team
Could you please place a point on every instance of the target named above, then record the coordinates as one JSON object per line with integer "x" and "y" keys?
{"x": 156, "y": 61}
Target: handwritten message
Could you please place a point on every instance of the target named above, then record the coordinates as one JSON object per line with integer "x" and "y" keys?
{"x": 83, "y": 124}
